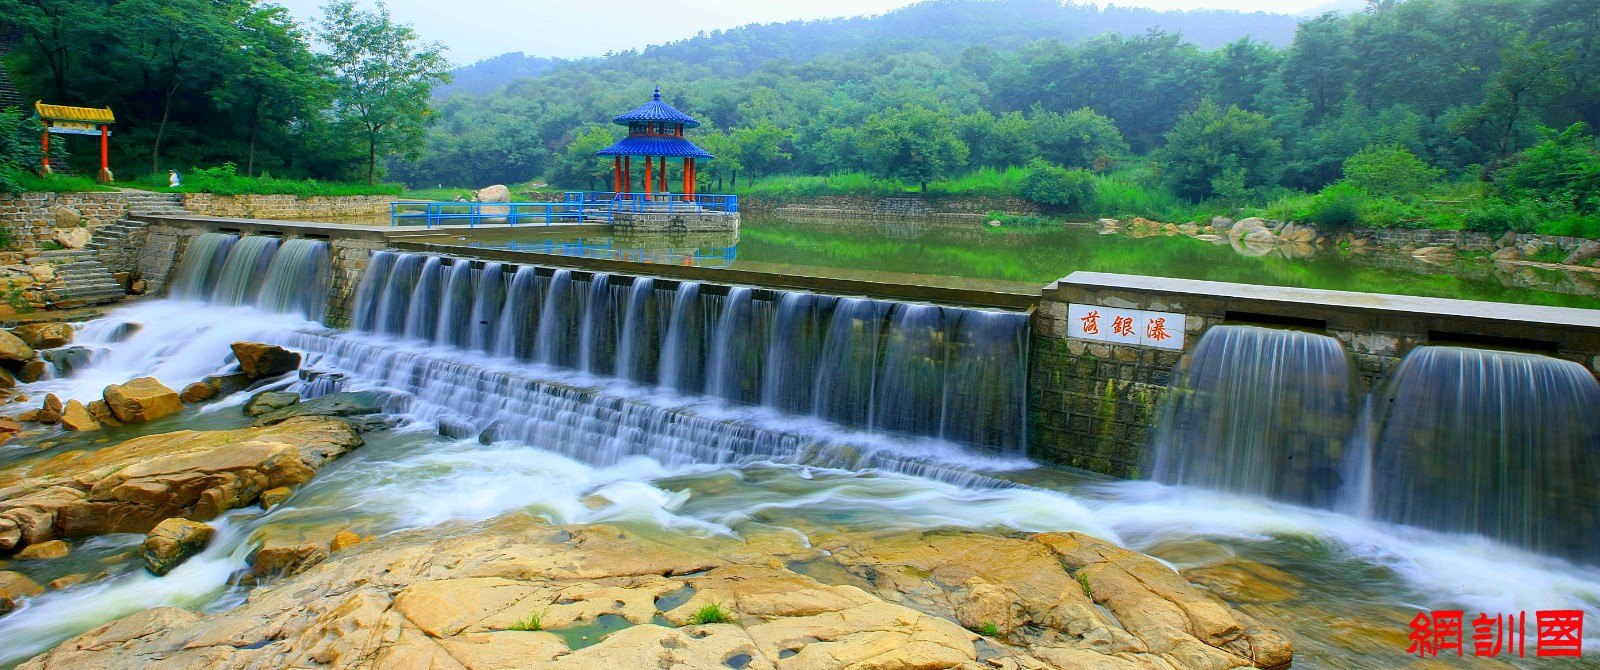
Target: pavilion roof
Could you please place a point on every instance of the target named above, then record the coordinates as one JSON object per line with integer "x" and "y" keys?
{"x": 654, "y": 145}
{"x": 658, "y": 111}
{"x": 80, "y": 114}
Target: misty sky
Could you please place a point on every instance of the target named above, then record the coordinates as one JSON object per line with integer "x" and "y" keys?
{"x": 478, "y": 29}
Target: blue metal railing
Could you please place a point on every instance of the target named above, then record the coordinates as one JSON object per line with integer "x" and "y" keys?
{"x": 575, "y": 207}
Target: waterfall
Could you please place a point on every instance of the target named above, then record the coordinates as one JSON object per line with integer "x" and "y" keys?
{"x": 422, "y": 317}
{"x": 297, "y": 279}
{"x": 904, "y": 369}
{"x": 1260, "y": 411}
{"x": 284, "y": 277}
{"x": 1496, "y": 443}
{"x": 201, "y": 263}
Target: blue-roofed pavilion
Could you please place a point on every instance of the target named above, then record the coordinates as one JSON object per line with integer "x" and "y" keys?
{"x": 655, "y": 133}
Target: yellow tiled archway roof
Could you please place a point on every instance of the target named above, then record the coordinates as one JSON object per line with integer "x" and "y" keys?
{"x": 80, "y": 114}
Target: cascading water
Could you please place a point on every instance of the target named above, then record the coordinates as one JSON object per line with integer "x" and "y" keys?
{"x": 1259, "y": 411}
{"x": 1496, "y": 443}
{"x": 285, "y": 277}
{"x": 917, "y": 370}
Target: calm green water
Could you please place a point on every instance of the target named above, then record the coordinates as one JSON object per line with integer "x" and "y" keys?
{"x": 1023, "y": 259}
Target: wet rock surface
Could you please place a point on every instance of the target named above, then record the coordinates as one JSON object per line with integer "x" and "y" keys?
{"x": 172, "y": 542}
{"x": 515, "y": 592}
{"x": 132, "y": 486}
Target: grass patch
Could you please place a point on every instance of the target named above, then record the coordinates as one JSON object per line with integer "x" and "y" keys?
{"x": 225, "y": 180}
{"x": 535, "y": 621}
{"x": 711, "y": 613}
{"x": 988, "y": 629}
{"x": 56, "y": 183}
{"x": 436, "y": 194}
{"x": 1083, "y": 580}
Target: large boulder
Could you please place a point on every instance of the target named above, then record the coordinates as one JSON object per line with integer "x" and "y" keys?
{"x": 142, "y": 399}
{"x": 66, "y": 217}
{"x": 1244, "y": 227}
{"x": 172, "y": 542}
{"x": 67, "y": 360}
{"x": 267, "y": 402}
{"x": 265, "y": 360}
{"x": 1587, "y": 250}
{"x": 197, "y": 392}
{"x": 228, "y": 384}
{"x": 73, "y": 238}
{"x": 44, "y": 335}
{"x": 75, "y": 416}
{"x": 132, "y": 486}
{"x": 33, "y": 371}
{"x": 495, "y": 193}
{"x": 17, "y": 585}
{"x": 346, "y": 403}
{"x": 13, "y": 349}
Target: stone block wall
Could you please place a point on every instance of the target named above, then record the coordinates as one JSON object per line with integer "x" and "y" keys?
{"x": 310, "y": 208}
{"x": 1093, "y": 404}
{"x": 660, "y": 222}
{"x": 31, "y": 219}
{"x": 349, "y": 258}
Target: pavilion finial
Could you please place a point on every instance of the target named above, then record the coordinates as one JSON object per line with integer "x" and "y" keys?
{"x": 658, "y": 92}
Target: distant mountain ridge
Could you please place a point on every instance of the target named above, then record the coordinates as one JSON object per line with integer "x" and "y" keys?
{"x": 939, "y": 26}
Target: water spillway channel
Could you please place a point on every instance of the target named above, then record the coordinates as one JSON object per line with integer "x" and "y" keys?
{"x": 684, "y": 409}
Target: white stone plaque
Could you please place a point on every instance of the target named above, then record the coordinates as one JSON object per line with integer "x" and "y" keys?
{"x": 1162, "y": 330}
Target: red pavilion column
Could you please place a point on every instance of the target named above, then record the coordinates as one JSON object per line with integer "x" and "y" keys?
{"x": 647, "y": 178}
{"x": 627, "y": 174}
{"x": 616, "y": 174}
{"x": 688, "y": 176}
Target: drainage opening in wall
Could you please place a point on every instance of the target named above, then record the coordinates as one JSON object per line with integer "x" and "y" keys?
{"x": 1275, "y": 320}
{"x": 1446, "y": 338}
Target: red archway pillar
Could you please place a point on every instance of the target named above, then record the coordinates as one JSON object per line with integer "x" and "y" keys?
{"x": 105, "y": 154}
{"x": 45, "y": 142}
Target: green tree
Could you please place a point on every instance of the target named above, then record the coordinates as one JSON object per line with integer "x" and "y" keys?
{"x": 1213, "y": 150}
{"x": 726, "y": 162}
{"x": 274, "y": 76}
{"x": 1078, "y": 139}
{"x": 1055, "y": 185}
{"x": 1389, "y": 170}
{"x": 383, "y": 76}
{"x": 20, "y": 150}
{"x": 912, "y": 143}
{"x": 579, "y": 165}
{"x": 1564, "y": 167}
{"x": 761, "y": 148}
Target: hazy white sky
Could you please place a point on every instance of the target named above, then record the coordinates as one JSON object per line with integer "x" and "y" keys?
{"x": 478, "y": 29}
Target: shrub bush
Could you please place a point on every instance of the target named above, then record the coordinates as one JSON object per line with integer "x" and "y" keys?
{"x": 1055, "y": 185}
{"x": 1337, "y": 206}
{"x": 1389, "y": 170}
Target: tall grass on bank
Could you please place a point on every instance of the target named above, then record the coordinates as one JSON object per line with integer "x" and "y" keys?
{"x": 225, "y": 180}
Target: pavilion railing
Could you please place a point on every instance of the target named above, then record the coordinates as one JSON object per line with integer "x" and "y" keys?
{"x": 575, "y": 207}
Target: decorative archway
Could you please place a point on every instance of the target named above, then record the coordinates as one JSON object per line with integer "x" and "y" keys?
{"x": 64, "y": 120}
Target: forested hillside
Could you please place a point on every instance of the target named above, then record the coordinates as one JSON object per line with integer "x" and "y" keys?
{"x": 1460, "y": 86}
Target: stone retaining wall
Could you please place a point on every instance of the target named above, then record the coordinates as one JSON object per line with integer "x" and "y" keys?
{"x": 950, "y": 208}
{"x": 1093, "y": 403}
{"x": 31, "y": 219}
{"x": 310, "y": 208}
{"x": 661, "y": 222}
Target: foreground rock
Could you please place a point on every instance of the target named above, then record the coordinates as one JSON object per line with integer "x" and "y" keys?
{"x": 346, "y": 403}
{"x": 260, "y": 361}
{"x": 132, "y": 486}
{"x": 267, "y": 402}
{"x": 466, "y": 597}
{"x": 44, "y": 335}
{"x": 142, "y": 399}
{"x": 172, "y": 542}
{"x": 13, "y": 349}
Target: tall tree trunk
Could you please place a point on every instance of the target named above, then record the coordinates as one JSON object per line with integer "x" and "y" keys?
{"x": 372, "y": 157}
{"x": 255, "y": 122}
{"x": 161, "y": 129}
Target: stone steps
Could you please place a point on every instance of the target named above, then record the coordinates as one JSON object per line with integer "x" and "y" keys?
{"x": 81, "y": 279}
